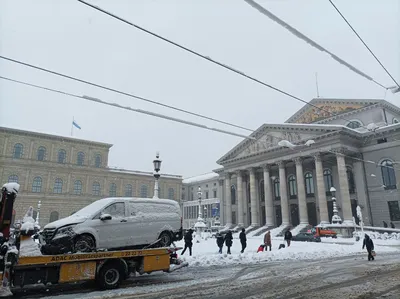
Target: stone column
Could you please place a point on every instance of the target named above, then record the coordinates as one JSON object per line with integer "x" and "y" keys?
{"x": 361, "y": 189}
{"x": 269, "y": 203}
{"x": 253, "y": 198}
{"x": 301, "y": 191}
{"x": 240, "y": 198}
{"x": 228, "y": 202}
{"x": 283, "y": 191}
{"x": 323, "y": 205}
{"x": 344, "y": 189}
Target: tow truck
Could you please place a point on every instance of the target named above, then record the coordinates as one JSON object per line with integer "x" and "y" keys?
{"x": 107, "y": 268}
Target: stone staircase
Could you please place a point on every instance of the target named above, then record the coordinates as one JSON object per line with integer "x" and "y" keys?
{"x": 259, "y": 231}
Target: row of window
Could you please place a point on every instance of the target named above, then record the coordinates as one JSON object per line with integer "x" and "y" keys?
{"x": 206, "y": 193}
{"x": 387, "y": 171}
{"x": 61, "y": 156}
{"x": 96, "y": 188}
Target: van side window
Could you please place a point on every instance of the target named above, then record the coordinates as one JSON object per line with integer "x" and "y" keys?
{"x": 116, "y": 210}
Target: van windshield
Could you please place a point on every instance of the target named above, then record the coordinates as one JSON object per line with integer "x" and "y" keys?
{"x": 93, "y": 208}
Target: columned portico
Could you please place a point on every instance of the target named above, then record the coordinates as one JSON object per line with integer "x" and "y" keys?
{"x": 344, "y": 189}
{"x": 269, "y": 204}
{"x": 323, "y": 206}
{"x": 228, "y": 202}
{"x": 240, "y": 199}
{"x": 283, "y": 191}
{"x": 301, "y": 192}
{"x": 253, "y": 198}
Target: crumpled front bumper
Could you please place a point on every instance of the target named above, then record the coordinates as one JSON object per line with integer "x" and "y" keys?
{"x": 57, "y": 245}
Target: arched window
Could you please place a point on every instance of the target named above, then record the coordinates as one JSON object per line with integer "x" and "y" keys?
{"x": 62, "y": 156}
{"x": 328, "y": 181}
{"x": 18, "y": 151}
{"x": 41, "y": 153}
{"x": 96, "y": 189}
{"x": 292, "y": 186}
{"x": 58, "y": 184}
{"x": 354, "y": 124}
{"x": 277, "y": 190}
{"x": 13, "y": 178}
{"x": 97, "y": 161}
{"x": 171, "y": 193}
{"x": 53, "y": 216}
{"x": 80, "y": 159}
{"x": 143, "y": 191}
{"x": 350, "y": 180}
{"x": 388, "y": 174}
{"x": 233, "y": 194}
{"x": 128, "y": 190}
{"x": 309, "y": 182}
{"x": 113, "y": 190}
{"x": 78, "y": 187}
{"x": 262, "y": 193}
{"x": 37, "y": 185}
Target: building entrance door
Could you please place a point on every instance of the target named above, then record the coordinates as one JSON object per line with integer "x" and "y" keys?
{"x": 278, "y": 215}
{"x": 294, "y": 214}
{"x": 312, "y": 213}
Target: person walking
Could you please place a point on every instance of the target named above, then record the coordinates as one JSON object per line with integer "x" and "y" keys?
{"x": 267, "y": 241}
{"x": 370, "y": 247}
{"x": 188, "y": 242}
{"x": 220, "y": 242}
{"x": 229, "y": 241}
{"x": 288, "y": 237}
{"x": 243, "y": 239}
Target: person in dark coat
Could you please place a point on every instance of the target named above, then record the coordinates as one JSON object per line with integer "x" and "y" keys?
{"x": 243, "y": 239}
{"x": 267, "y": 241}
{"x": 288, "y": 237}
{"x": 188, "y": 242}
{"x": 220, "y": 242}
{"x": 370, "y": 246}
{"x": 229, "y": 241}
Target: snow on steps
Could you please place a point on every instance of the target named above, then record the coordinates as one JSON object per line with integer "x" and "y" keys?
{"x": 298, "y": 229}
{"x": 259, "y": 231}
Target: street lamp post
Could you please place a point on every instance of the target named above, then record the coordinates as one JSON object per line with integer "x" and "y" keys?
{"x": 199, "y": 193}
{"x": 157, "y": 167}
{"x": 38, "y": 213}
{"x": 205, "y": 215}
{"x": 335, "y": 218}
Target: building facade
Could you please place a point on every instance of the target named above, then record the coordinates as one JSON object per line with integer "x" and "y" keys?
{"x": 210, "y": 200}
{"x": 66, "y": 174}
{"x": 353, "y": 146}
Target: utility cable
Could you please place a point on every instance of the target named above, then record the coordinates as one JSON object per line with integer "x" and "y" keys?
{"x": 210, "y": 59}
{"x": 359, "y": 37}
{"x": 96, "y": 100}
{"x": 308, "y": 40}
{"x": 87, "y": 98}
{"x": 122, "y": 92}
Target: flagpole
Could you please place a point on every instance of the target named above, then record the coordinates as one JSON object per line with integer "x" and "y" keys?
{"x": 72, "y": 126}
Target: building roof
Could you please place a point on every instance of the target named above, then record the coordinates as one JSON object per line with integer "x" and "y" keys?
{"x": 53, "y": 137}
{"x": 201, "y": 178}
{"x": 145, "y": 173}
{"x": 330, "y": 107}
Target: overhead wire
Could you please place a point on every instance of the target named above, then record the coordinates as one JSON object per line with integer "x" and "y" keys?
{"x": 225, "y": 66}
{"x": 308, "y": 40}
{"x": 363, "y": 42}
{"x": 96, "y": 100}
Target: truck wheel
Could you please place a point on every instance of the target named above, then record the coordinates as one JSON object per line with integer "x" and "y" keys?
{"x": 84, "y": 243}
{"x": 110, "y": 276}
{"x": 165, "y": 239}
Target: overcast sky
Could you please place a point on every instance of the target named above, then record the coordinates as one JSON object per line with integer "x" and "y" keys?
{"x": 72, "y": 38}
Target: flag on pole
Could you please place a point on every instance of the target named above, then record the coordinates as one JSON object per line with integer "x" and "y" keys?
{"x": 76, "y": 125}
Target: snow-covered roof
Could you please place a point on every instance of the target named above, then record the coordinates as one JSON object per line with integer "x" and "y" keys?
{"x": 201, "y": 178}
{"x": 146, "y": 173}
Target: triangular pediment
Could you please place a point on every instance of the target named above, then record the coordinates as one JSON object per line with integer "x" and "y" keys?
{"x": 325, "y": 108}
{"x": 268, "y": 137}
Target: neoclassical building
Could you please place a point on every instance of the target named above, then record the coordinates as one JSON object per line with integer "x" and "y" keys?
{"x": 354, "y": 147}
{"x": 66, "y": 174}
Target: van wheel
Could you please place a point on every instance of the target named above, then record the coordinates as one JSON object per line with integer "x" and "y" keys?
{"x": 84, "y": 243}
{"x": 165, "y": 239}
{"x": 110, "y": 276}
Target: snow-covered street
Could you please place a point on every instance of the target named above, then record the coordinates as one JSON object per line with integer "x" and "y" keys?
{"x": 304, "y": 270}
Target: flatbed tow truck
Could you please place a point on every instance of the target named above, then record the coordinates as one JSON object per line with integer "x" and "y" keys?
{"x": 107, "y": 268}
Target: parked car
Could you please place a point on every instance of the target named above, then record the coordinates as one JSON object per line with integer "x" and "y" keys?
{"x": 306, "y": 237}
{"x": 115, "y": 223}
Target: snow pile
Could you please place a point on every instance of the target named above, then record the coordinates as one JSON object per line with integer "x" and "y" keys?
{"x": 12, "y": 187}
{"x": 29, "y": 248}
{"x": 206, "y": 252}
{"x": 28, "y": 223}
{"x": 201, "y": 178}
